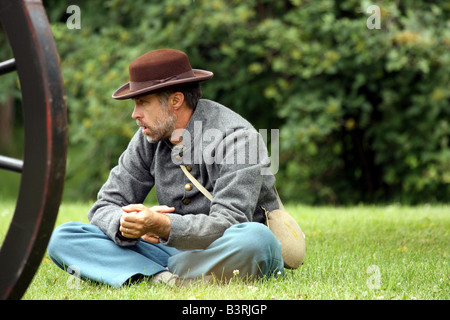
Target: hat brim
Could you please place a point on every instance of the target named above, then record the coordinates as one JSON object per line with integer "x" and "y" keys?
{"x": 124, "y": 91}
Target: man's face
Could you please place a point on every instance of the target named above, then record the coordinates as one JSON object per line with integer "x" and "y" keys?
{"x": 156, "y": 120}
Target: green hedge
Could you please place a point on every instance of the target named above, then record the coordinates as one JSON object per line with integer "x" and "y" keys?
{"x": 363, "y": 113}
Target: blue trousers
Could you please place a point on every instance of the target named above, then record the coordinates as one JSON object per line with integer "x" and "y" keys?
{"x": 249, "y": 247}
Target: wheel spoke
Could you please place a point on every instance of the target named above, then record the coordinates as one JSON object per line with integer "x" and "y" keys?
{"x": 7, "y": 66}
{"x": 11, "y": 164}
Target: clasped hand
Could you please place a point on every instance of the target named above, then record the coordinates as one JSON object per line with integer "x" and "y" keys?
{"x": 138, "y": 221}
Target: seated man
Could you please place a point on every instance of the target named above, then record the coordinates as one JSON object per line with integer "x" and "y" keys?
{"x": 187, "y": 235}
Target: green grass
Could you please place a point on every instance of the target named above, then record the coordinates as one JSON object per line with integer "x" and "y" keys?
{"x": 348, "y": 249}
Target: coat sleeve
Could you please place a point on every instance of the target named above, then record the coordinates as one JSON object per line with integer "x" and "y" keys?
{"x": 129, "y": 182}
{"x": 236, "y": 190}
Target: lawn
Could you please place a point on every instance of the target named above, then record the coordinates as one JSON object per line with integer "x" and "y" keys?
{"x": 362, "y": 252}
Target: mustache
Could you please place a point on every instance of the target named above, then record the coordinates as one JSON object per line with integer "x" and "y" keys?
{"x": 141, "y": 124}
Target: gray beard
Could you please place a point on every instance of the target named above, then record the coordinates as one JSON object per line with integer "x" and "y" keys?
{"x": 163, "y": 128}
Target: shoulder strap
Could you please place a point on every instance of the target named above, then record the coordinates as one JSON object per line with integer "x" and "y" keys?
{"x": 208, "y": 195}
{"x": 280, "y": 204}
{"x": 197, "y": 184}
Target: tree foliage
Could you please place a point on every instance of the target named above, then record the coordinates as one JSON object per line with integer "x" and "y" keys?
{"x": 364, "y": 114}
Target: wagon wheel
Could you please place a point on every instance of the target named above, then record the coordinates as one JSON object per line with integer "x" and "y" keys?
{"x": 43, "y": 166}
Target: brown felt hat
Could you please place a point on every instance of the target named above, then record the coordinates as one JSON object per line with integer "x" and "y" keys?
{"x": 159, "y": 69}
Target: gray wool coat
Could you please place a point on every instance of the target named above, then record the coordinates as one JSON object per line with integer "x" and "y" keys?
{"x": 224, "y": 153}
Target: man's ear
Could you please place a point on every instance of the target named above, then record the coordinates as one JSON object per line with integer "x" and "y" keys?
{"x": 176, "y": 100}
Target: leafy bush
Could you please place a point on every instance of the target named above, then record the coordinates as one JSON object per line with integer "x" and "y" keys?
{"x": 363, "y": 113}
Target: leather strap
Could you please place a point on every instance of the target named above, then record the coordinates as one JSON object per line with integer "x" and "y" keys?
{"x": 208, "y": 195}
{"x": 197, "y": 184}
{"x": 280, "y": 204}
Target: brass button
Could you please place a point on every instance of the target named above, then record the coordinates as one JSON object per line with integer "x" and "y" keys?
{"x": 188, "y": 168}
{"x": 188, "y": 187}
{"x": 186, "y": 201}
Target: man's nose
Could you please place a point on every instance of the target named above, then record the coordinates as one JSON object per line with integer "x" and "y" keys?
{"x": 136, "y": 113}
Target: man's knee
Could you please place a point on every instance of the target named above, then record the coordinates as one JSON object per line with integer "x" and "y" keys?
{"x": 259, "y": 247}
{"x": 256, "y": 239}
{"x": 62, "y": 238}
{"x": 57, "y": 239}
